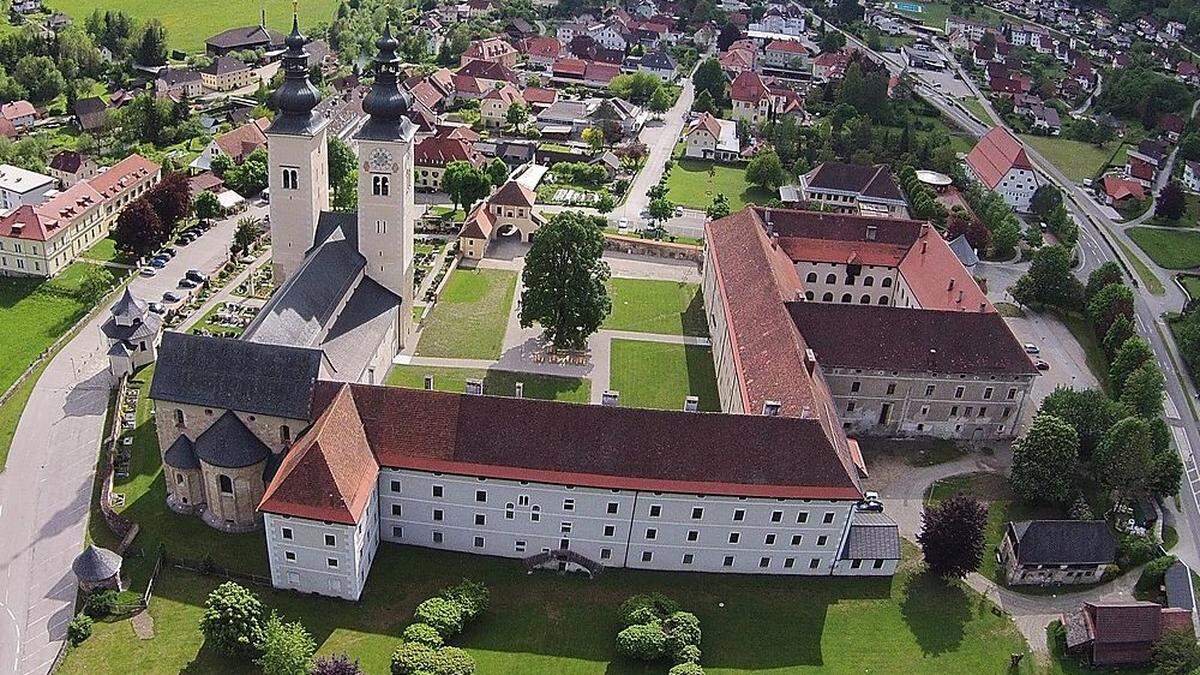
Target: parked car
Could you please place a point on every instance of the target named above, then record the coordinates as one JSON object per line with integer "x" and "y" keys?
{"x": 157, "y": 308}
{"x": 1042, "y": 365}
{"x": 197, "y": 276}
{"x": 1031, "y": 348}
{"x": 870, "y": 507}
{"x": 187, "y": 283}
{"x": 168, "y": 251}
{"x": 147, "y": 271}
{"x": 171, "y": 298}
{"x": 623, "y": 226}
{"x": 158, "y": 262}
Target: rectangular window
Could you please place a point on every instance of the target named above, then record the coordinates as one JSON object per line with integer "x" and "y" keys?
{"x": 821, "y": 540}
{"x": 290, "y": 556}
{"x": 480, "y": 519}
{"x": 855, "y": 564}
{"x": 605, "y": 553}
{"x": 330, "y": 540}
{"x": 828, "y": 517}
{"x": 891, "y": 388}
{"x": 332, "y": 562}
{"x": 568, "y": 505}
{"x": 437, "y": 490}
{"x": 437, "y": 514}
{"x": 395, "y": 486}
{"x": 727, "y": 562}
{"x": 612, "y": 508}
{"x": 802, "y": 517}
{"x": 396, "y": 510}
{"x": 397, "y": 531}
{"x": 1012, "y": 393}
{"x": 928, "y": 390}
{"x": 437, "y": 537}
{"x": 769, "y": 540}
{"x": 734, "y": 537}
{"x": 287, "y": 533}
{"x": 958, "y": 392}
{"x": 764, "y": 562}
{"x": 851, "y": 405}
{"x": 655, "y": 510}
{"x": 519, "y": 546}
{"x": 481, "y": 496}
{"x": 855, "y": 386}
{"x": 478, "y": 542}
{"x": 776, "y": 516}
{"x": 789, "y": 563}
{"x": 878, "y": 564}
{"x": 647, "y": 556}
{"x": 987, "y": 394}
{"x": 796, "y": 539}
{"x": 565, "y": 527}
{"x": 814, "y": 563}
{"x": 688, "y": 558}
{"x": 693, "y": 535}
{"x": 609, "y": 530}
{"x": 697, "y": 512}
{"x": 954, "y": 411}
{"x": 651, "y": 533}
{"x": 739, "y": 515}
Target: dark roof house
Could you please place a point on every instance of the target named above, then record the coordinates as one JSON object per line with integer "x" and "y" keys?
{"x": 1062, "y": 542}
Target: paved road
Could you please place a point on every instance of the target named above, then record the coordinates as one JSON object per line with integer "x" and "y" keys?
{"x": 660, "y": 138}
{"x": 46, "y": 488}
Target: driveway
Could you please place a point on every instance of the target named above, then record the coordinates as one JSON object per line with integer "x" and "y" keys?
{"x": 660, "y": 138}
{"x": 46, "y": 488}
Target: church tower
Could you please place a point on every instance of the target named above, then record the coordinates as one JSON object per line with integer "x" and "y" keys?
{"x": 298, "y": 164}
{"x": 385, "y": 180}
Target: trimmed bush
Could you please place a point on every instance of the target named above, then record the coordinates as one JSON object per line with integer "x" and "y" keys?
{"x": 472, "y": 597}
{"x": 444, "y": 615}
{"x": 688, "y": 668}
{"x": 411, "y": 658}
{"x": 233, "y": 620}
{"x": 100, "y": 604}
{"x": 452, "y": 661}
{"x": 686, "y": 654}
{"x": 659, "y": 605}
{"x": 79, "y": 629}
{"x": 683, "y": 630}
{"x": 335, "y": 664}
{"x": 422, "y": 633}
{"x": 644, "y": 642}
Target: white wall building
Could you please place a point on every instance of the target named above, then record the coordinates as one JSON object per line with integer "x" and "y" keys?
{"x": 21, "y": 187}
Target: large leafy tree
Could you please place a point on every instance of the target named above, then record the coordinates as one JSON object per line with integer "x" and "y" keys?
{"x": 1176, "y": 653}
{"x": 1045, "y": 461}
{"x": 1112, "y": 301}
{"x": 206, "y": 206}
{"x": 1089, "y": 412}
{"x": 1045, "y": 200}
{"x": 1120, "y": 331}
{"x": 497, "y": 172}
{"x": 564, "y": 280}
{"x": 1123, "y": 456}
{"x": 1049, "y": 281}
{"x": 40, "y": 77}
{"x": 138, "y": 230}
{"x": 951, "y": 536}
{"x": 343, "y": 166}
{"x": 1171, "y": 202}
{"x": 766, "y": 171}
{"x": 1132, "y": 354}
{"x": 465, "y": 184}
{"x": 233, "y": 621}
{"x": 171, "y": 199}
{"x": 1108, "y": 273}
{"x": 710, "y": 78}
{"x": 250, "y": 177}
{"x": 1143, "y": 391}
{"x": 287, "y": 648}
{"x": 152, "y": 49}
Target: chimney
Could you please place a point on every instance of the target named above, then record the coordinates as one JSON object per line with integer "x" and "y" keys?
{"x": 951, "y": 286}
{"x": 474, "y": 387}
{"x": 771, "y": 408}
{"x": 924, "y": 246}
{"x": 429, "y": 383}
{"x": 932, "y": 358}
{"x": 691, "y": 404}
{"x": 610, "y": 398}
{"x": 960, "y": 296}
{"x": 520, "y": 390}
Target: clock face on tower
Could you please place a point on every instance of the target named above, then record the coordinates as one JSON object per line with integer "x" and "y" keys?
{"x": 380, "y": 160}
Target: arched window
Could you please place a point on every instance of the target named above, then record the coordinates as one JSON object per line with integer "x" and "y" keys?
{"x": 828, "y": 297}
{"x": 808, "y": 295}
{"x": 883, "y": 300}
{"x": 849, "y": 279}
{"x": 179, "y": 421}
{"x": 831, "y": 279}
{"x": 225, "y": 484}
{"x": 887, "y": 282}
{"x": 868, "y": 281}
{"x": 811, "y": 278}
{"x": 864, "y": 300}
{"x": 846, "y": 298}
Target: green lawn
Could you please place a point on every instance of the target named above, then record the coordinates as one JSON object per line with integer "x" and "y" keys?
{"x": 1078, "y": 160}
{"x": 547, "y": 623}
{"x": 105, "y": 250}
{"x": 694, "y": 183}
{"x": 1191, "y": 284}
{"x": 1002, "y": 507}
{"x": 971, "y": 103}
{"x": 495, "y": 382}
{"x": 1172, "y": 249}
{"x": 661, "y": 375}
{"x": 1190, "y": 217}
{"x": 190, "y": 23}
{"x": 1148, "y": 277}
{"x": 932, "y": 14}
{"x": 469, "y": 318}
{"x": 656, "y": 306}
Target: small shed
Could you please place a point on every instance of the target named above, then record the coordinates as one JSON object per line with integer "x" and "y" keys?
{"x": 97, "y": 568}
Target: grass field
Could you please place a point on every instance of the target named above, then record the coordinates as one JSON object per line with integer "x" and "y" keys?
{"x": 189, "y": 24}
{"x": 1002, "y": 507}
{"x": 971, "y": 103}
{"x": 1191, "y": 284}
{"x": 656, "y": 306}
{"x": 1190, "y": 217}
{"x": 495, "y": 382}
{"x": 1078, "y": 160}
{"x": 1148, "y": 277}
{"x": 932, "y": 14}
{"x": 105, "y": 250}
{"x": 469, "y": 318}
{"x": 661, "y": 375}
{"x": 547, "y": 623}
{"x": 694, "y": 183}
{"x": 1171, "y": 249}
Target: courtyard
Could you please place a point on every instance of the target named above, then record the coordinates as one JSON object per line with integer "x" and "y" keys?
{"x": 695, "y": 183}
{"x": 661, "y": 374}
{"x": 469, "y": 318}
{"x": 656, "y": 306}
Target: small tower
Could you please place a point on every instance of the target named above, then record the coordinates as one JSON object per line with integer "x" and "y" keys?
{"x": 385, "y": 180}
{"x": 298, "y": 162}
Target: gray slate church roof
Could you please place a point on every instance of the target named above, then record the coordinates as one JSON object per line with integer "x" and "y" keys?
{"x": 181, "y": 454}
{"x": 229, "y": 444}
{"x": 236, "y": 375}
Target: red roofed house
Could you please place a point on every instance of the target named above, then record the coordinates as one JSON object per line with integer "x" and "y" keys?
{"x": 734, "y": 60}
{"x": 539, "y": 98}
{"x": 7, "y": 129}
{"x": 69, "y": 167}
{"x": 20, "y": 113}
{"x": 40, "y": 240}
{"x": 235, "y": 145}
{"x": 757, "y": 100}
{"x": 1121, "y": 633}
{"x": 491, "y": 49}
{"x": 493, "y": 107}
{"x": 999, "y": 161}
{"x": 830, "y": 66}
{"x": 712, "y": 138}
{"x": 541, "y": 50}
{"x": 804, "y": 305}
{"x": 786, "y": 54}
{"x": 508, "y": 211}
{"x": 431, "y": 156}
{"x": 1119, "y": 192}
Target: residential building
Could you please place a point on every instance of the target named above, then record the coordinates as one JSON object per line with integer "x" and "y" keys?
{"x": 793, "y": 284}
{"x": 757, "y": 100}
{"x": 226, "y": 73}
{"x": 1143, "y": 162}
{"x": 786, "y": 55}
{"x": 492, "y": 49}
{"x": 1121, "y": 633}
{"x": 830, "y": 66}
{"x": 124, "y": 182}
{"x": 999, "y": 161}
{"x": 923, "y": 56}
{"x": 177, "y": 82}
{"x": 21, "y": 187}
{"x": 235, "y": 145}
{"x": 780, "y": 19}
{"x": 90, "y": 113}
{"x": 541, "y": 50}
{"x": 493, "y": 107}
{"x": 711, "y": 138}
{"x": 854, "y": 188}
{"x": 21, "y": 114}
{"x": 660, "y": 64}
{"x": 1121, "y": 192}
{"x": 69, "y": 167}
{"x": 1191, "y": 175}
{"x": 1054, "y": 552}
{"x": 433, "y": 154}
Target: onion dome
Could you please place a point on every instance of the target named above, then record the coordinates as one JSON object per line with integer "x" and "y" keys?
{"x": 387, "y": 102}
{"x": 296, "y": 97}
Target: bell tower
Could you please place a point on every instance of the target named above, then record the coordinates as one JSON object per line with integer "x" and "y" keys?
{"x": 297, "y": 162}
{"x": 385, "y": 180}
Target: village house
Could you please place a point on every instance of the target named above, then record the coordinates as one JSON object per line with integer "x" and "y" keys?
{"x": 1121, "y": 633}
{"x": 20, "y": 114}
{"x": 1121, "y": 192}
{"x": 1142, "y": 163}
{"x": 235, "y": 145}
{"x": 69, "y": 167}
{"x": 508, "y": 212}
{"x": 1191, "y": 175}
{"x": 541, "y": 50}
{"x": 999, "y": 161}
{"x": 494, "y": 106}
{"x": 491, "y": 49}
{"x": 178, "y": 82}
{"x": 711, "y": 138}
{"x": 226, "y": 73}
{"x": 1053, "y": 552}
{"x": 244, "y": 38}
{"x": 757, "y": 100}
{"x": 432, "y": 154}
{"x": 133, "y": 333}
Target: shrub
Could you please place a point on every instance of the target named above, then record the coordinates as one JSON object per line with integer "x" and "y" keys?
{"x": 687, "y": 668}
{"x": 422, "y": 633}
{"x": 1152, "y": 573}
{"x": 100, "y": 604}
{"x": 472, "y": 597}
{"x": 687, "y": 654}
{"x": 641, "y": 615}
{"x": 452, "y": 661}
{"x": 659, "y": 605}
{"x": 411, "y": 658}
{"x": 1176, "y": 653}
{"x": 644, "y": 642}
{"x": 445, "y": 616}
{"x": 683, "y": 630}
{"x": 1134, "y": 551}
{"x": 336, "y": 664}
{"x": 79, "y": 629}
{"x": 233, "y": 620}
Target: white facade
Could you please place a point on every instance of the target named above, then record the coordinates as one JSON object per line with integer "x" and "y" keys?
{"x": 385, "y": 226}
{"x": 615, "y": 527}
{"x": 299, "y": 185}
{"x": 1017, "y": 188}
{"x": 20, "y": 187}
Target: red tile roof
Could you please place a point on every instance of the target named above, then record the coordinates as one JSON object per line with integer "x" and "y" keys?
{"x": 789, "y": 46}
{"x": 541, "y": 46}
{"x": 592, "y": 445}
{"x": 240, "y": 142}
{"x": 539, "y": 96}
{"x": 44, "y": 221}
{"x": 330, "y": 473}
{"x": 1120, "y": 188}
{"x": 513, "y": 193}
{"x": 995, "y": 155}
{"x": 708, "y": 123}
{"x": 488, "y": 49}
{"x": 17, "y": 109}
{"x": 748, "y": 86}
{"x": 440, "y": 151}
{"x": 123, "y": 175}
{"x": 930, "y": 267}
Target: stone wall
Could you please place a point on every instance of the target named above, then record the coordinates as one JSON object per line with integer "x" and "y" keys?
{"x": 653, "y": 248}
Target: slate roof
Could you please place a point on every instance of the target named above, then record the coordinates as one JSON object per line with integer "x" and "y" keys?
{"x": 181, "y": 454}
{"x": 597, "y": 446}
{"x": 235, "y": 375}
{"x": 223, "y": 65}
{"x": 360, "y": 328}
{"x": 1178, "y": 583}
{"x": 1063, "y": 542}
{"x": 89, "y": 112}
{"x": 128, "y": 307}
{"x": 146, "y": 327}
{"x": 96, "y": 564}
{"x": 872, "y": 536}
{"x": 245, "y": 37}
{"x": 909, "y": 339}
{"x": 867, "y": 181}
{"x": 228, "y": 443}
{"x": 68, "y": 161}
{"x": 963, "y": 251}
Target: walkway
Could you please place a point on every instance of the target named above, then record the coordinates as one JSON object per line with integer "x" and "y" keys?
{"x": 46, "y": 487}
